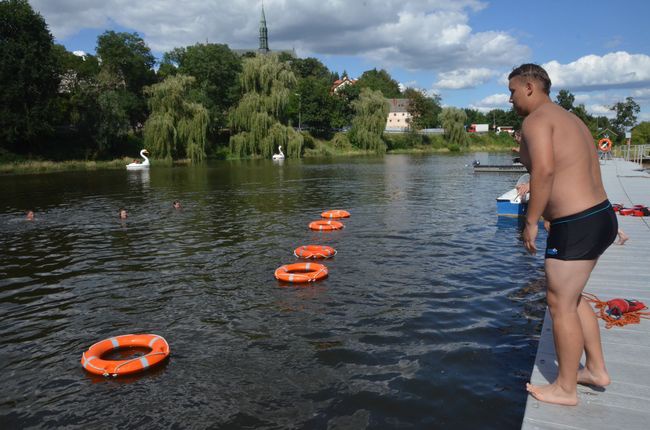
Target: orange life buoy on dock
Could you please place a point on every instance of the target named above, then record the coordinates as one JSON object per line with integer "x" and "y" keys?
{"x": 322, "y": 225}
{"x": 314, "y": 251}
{"x": 91, "y": 360}
{"x": 336, "y": 213}
{"x": 301, "y": 272}
{"x": 605, "y": 145}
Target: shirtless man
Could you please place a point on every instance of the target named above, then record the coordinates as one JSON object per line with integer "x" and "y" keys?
{"x": 566, "y": 189}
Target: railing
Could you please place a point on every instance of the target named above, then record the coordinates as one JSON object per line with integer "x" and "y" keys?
{"x": 633, "y": 153}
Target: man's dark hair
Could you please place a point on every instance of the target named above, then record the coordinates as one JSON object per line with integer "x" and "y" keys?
{"x": 533, "y": 71}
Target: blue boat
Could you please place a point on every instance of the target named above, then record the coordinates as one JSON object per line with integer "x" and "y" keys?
{"x": 510, "y": 204}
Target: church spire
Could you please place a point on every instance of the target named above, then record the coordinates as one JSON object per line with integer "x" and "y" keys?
{"x": 264, "y": 39}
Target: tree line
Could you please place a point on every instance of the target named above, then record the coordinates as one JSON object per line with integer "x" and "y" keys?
{"x": 203, "y": 100}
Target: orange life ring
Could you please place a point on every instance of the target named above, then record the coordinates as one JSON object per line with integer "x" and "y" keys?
{"x": 322, "y": 225}
{"x": 306, "y": 272}
{"x": 336, "y": 213}
{"x": 605, "y": 145}
{"x": 91, "y": 360}
{"x": 314, "y": 251}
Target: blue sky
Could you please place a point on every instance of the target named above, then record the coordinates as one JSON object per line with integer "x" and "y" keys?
{"x": 461, "y": 50}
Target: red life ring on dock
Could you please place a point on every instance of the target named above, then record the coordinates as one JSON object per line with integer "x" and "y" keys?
{"x": 605, "y": 145}
{"x": 91, "y": 360}
{"x": 314, "y": 251}
{"x": 322, "y": 225}
{"x": 336, "y": 213}
{"x": 301, "y": 272}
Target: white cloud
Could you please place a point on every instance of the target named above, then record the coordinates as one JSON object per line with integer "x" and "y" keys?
{"x": 494, "y": 101}
{"x": 415, "y": 35}
{"x": 464, "y": 78}
{"x": 592, "y": 72}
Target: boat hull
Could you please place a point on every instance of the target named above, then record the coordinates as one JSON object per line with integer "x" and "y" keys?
{"x": 509, "y": 204}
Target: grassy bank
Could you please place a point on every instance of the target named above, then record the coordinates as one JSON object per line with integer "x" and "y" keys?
{"x": 39, "y": 166}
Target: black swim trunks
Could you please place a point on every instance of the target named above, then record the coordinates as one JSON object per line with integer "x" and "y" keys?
{"x": 583, "y": 236}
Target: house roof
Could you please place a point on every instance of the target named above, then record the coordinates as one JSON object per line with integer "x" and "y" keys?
{"x": 398, "y": 105}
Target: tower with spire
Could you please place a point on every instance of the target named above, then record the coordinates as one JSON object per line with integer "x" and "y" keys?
{"x": 264, "y": 38}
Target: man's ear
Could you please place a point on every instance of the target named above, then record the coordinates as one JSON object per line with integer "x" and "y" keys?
{"x": 529, "y": 88}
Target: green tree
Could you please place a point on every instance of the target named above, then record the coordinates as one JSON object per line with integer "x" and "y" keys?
{"x": 379, "y": 81}
{"x": 267, "y": 84}
{"x": 113, "y": 121}
{"x": 29, "y": 76}
{"x": 127, "y": 63}
{"x": 371, "y": 111}
{"x": 626, "y": 114}
{"x": 581, "y": 112}
{"x": 176, "y": 127}
{"x": 313, "y": 103}
{"x": 216, "y": 69}
{"x": 475, "y": 116}
{"x": 641, "y": 134}
{"x": 424, "y": 110}
{"x": 310, "y": 68}
{"x": 127, "y": 56}
{"x": 78, "y": 109}
{"x": 453, "y": 121}
{"x": 565, "y": 99}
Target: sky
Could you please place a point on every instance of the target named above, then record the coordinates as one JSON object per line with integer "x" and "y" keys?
{"x": 461, "y": 50}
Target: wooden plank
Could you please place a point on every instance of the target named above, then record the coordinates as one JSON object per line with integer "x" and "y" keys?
{"x": 622, "y": 271}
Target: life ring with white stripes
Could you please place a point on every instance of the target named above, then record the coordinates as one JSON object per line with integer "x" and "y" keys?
{"x": 605, "y": 145}
{"x": 314, "y": 251}
{"x": 92, "y": 361}
{"x": 336, "y": 213}
{"x": 301, "y": 272}
{"x": 322, "y": 225}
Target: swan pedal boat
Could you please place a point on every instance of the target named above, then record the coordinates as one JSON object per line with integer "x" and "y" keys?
{"x": 279, "y": 156}
{"x": 140, "y": 166}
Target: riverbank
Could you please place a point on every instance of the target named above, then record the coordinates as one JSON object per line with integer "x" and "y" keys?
{"x": 338, "y": 146}
{"x": 45, "y": 166}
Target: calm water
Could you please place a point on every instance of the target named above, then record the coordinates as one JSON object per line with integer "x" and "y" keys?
{"x": 429, "y": 317}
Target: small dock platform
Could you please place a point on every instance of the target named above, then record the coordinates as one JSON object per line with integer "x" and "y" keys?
{"x": 507, "y": 168}
{"x": 624, "y": 272}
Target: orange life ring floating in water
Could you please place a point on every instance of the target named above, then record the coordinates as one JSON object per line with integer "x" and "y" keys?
{"x": 605, "y": 145}
{"x": 322, "y": 225}
{"x": 314, "y": 251}
{"x": 301, "y": 272}
{"x": 336, "y": 213}
{"x": 91, "y": 360}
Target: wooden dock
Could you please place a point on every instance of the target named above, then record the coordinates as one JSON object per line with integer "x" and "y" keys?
{"x": 500, "y": 168}
{"x": 622, "y": 271}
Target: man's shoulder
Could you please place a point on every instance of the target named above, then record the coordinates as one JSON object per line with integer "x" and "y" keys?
{"x": 545, "y": 112}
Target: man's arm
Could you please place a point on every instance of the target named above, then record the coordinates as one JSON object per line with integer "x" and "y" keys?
{"x": 538, "y": 137}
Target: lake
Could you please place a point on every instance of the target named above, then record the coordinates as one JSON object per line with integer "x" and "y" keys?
{"x": 429, "y": 317}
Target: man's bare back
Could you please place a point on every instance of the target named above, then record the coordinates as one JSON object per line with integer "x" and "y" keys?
{"x": 577, "y": 182}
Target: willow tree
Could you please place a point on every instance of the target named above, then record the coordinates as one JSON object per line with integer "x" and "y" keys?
{"x": 371, "y": 110}
{"x": 267, "y": 84}
{"x": 453, "y": 121}
{"x": 176, "y": 127}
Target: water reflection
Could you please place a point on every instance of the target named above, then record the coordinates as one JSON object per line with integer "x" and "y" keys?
{"x": 425, "y": 314}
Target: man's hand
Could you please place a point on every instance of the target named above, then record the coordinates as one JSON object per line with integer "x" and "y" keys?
{"x": 522, "y": 189}
{"x": 529, "y": 235}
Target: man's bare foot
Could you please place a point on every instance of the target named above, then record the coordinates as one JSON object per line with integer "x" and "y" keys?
{"x": 552, "y": 394}
{"x": 587, "y": 377}
{"x": 622, "y": 237}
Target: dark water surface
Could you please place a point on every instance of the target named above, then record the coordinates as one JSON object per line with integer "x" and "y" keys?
{"x": 429, "y": 317}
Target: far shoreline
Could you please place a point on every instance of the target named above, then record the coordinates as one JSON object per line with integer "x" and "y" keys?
{"x": 47, "y": 166}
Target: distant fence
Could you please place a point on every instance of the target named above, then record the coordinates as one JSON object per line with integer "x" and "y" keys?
{"x": 634, "y": 153}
